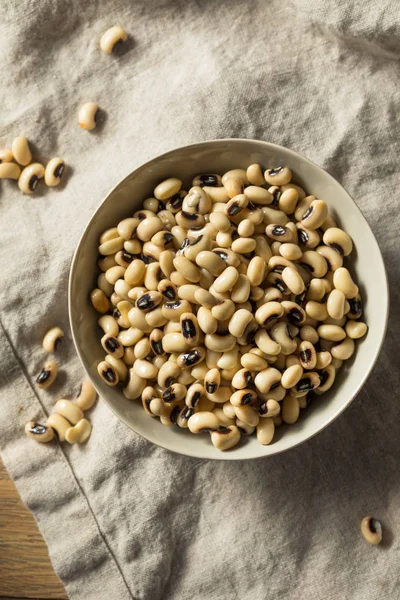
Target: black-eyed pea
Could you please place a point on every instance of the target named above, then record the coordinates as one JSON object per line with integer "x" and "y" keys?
{"x": 241, "y": 290}
{"x": 149, "y": 301}
{"x": 86, "y": 396}
{"x": 256, "y": 270}
{"x": 253, "y": 362}
{"x": 29, "y": 178}
{"x": 355, "y": 329}
{"x": 236, "y": 205}
{"x": 88, "y": 115}
{"x": 233, "y": 186}
{"x": 276, "y": 280}
{"x": 336, "y": 304}
{"x": 211, "y": 261}
{"x": 242, "y": 268}
{"x": 271, "y": 294}
{"x": 243, "y": 397}
{"x": 291, "y": 376}
{"x": 148, "y": 395}
{"x": 230, "y": 258}
{"x": 212, "y": 381}
{"x": 153, "y": 276}
{"x": 308, "y": 237}
{"x": 242, "y": 379}
{"x": 112, "y": 345}
{"x": 129, "y": 356}
{"x": 184, "y": 416}
{"x": 206, "y": 320}
{"x": 314, "y": 263}
{"x": 21, "y": 151}
{"x": 281, "y": 333}
{"x": 189, "y": 221}
{"x": 290, "y": 410}
{"x": 118, "y": 365}
{"x": 145, "y": 369}
{"x": 339, "y": 240}
{"x": 265, "y": 431}
{"x": 105, "y": 262}
{"x": 53, "y": 339}
{"x": 224, "y": 310}
{"x": 243, "y": 245}
{"x": 309, "y": 381}
{"x": 122, "y": 288}
{"x": 39, "y": 433}
{"x": 239, "y": 174}
{"x": 290, "y": 251}
{"x": 315, "y": 290}
{"x": 197, "y": 201}
{"x": 207, "y": 179}
{"x": 343, "y": 350}
{"x": 315, "y": 215}
{"x": 337, "y": 363}
{"x": 256, "y": 293}
{"x": 258, "y": 195}
{"x": 212, "y": 358}
{"x": 107, "y": 373}
{"x": 247, "y": 414}
{"x": 308, "y": 355}
{"x": 229, "y": 359}
{"x": 110, "y": 38}
{"x": 219, "y": 343}
{"x": 167, "y": 188}
{"x": 267, "y": 380}
{"x": 293, "y": 280}
{"x": 288, "y": 200}
{"x": 238, "y": 322}
{"x": 69, "y": 410}
{"x": 134, "y": 386}
{"x": 54, "y": 171}
{"x": 266, "y": 343}
{"x": 270, "y": 408}
{"x": 135, "y": 317}
{"x": 246, "y": 228}
{"x": 147, "y": 228}
{"x": 47, "y": 374}
{"x": 355, "y": 311}
{"x": 190, "y": 328}
{"x": 104, "y": 285}
{"x": 225, "y": 438}
{"x": 168, "y": 374}
{"x": 127, "y": 228}
{"x": 204, "y": 298}
{"x": 293, "y": 312}
{"x": 111, "y": 246}
{"x": 6, "y": 156}
{"x": 327, "y": 377}
{"x": 129, "y": 337}
{"x": 342, "y": 281}
{"x": 220, "y": 221}
{"x": 133, "y": 246}
{"x": 174, "y": 393}
{"x": 316, "y": 310}
{"x": 280, "y": 233}
{"x": 58, "y": 424}
{"x": 114, "y": 299}
{"x": 187, "y": 269}
{"x": 332, "y": 333}
{"x": 309, "y": 334}
{"x": 278, "y": 176}
{"x": 371, "y": 530}
{"x": 224, "y": 239}
{"x": 324, "y": 359}
{"x": 191, "y": 358}
{"x": 255, "y": 174}
{"x": 203, "y": 421}
{"x": 333, "y": 259}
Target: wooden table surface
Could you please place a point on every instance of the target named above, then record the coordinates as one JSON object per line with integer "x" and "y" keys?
{"x": 25, "y": 567}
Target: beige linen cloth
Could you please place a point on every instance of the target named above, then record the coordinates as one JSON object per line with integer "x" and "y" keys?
{"x": 124, "y": 519}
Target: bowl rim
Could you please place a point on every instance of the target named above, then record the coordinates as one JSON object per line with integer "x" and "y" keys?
{"x": 225, "y": 456}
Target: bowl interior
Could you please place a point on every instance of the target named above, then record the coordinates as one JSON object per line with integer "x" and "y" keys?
{"x": 218, "y": 157}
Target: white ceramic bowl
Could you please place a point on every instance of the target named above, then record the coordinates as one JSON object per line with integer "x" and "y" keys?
{"x": 217, "y": 157}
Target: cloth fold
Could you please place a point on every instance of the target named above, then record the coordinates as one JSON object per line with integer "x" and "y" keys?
{"x": 123, "y": 518}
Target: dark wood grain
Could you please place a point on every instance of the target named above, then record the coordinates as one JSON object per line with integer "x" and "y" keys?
{"x": 25, "y": 567}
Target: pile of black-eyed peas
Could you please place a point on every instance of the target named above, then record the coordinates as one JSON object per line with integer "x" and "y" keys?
{"x": 67, "y": 421}
{"x": 227, "y": 307}
{"x": 16, "y": 163}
